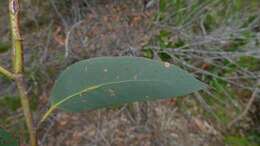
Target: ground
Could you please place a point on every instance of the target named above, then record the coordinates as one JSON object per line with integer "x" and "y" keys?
{"x": 217, "y": 41}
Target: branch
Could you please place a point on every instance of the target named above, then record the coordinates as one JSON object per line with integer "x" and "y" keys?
{"x": 17, "y": 59}
{"x": 17, "y": 53}
{"x": 6, "y": 73}
{"x": 26, "y": 109}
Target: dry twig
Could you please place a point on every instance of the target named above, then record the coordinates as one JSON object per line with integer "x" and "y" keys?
{"x": 248, "y": 106}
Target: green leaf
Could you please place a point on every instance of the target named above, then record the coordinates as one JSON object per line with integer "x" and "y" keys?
{"x": 4, "y": 47}
{"x": 238, "y": 141}
{"x": 163, "y": 5}
{"x": 10, "y": 102}
{"x": 6, "y": 139}
{"x": 249, "y": 62}
{"x": 179, "y": 43}
{"x": 107, "y": 81}
{"x": 164, "y": 56}
{"x": 148, "y": 53}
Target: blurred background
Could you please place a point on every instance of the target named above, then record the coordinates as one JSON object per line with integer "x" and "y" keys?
{"x": 216, "y": 40}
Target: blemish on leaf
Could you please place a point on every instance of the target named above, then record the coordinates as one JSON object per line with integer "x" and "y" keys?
{"x": 105, "y": 70}
{"x": 84, "y": 100}
{"x": 82, "y": 93}
{"x": 111, "y": 92}
{"x": 167, "y": 64}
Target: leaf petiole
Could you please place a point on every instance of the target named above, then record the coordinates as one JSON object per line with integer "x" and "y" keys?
{"x": 7, "y": 73}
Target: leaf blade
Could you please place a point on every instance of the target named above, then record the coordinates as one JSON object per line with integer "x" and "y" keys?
{"x": 106, "y": 81}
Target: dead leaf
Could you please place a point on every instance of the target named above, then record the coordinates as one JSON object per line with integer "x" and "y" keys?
{"x": 58, "y": 37}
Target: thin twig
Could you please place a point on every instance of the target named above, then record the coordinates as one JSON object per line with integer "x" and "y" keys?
{"x": 52, "y": 2}
{"x": 248, "y": 106}
{"x": 68, "y": 38}
{"x": 204, "y": 103}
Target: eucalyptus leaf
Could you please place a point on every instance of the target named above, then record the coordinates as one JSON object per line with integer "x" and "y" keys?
{"x": 107, "y": 81}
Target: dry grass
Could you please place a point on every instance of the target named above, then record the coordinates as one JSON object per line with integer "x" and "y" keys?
{"x": 224, "y": 54}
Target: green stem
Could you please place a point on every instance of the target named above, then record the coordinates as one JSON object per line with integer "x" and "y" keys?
{"x": 6, "y": 73}
{"x": 17, "y": 54}
{"x": 18, "y": 66}
{"x": 26, "y": 109}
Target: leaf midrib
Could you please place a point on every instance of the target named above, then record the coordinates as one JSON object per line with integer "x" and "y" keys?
{"x": 83, "y": 91}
